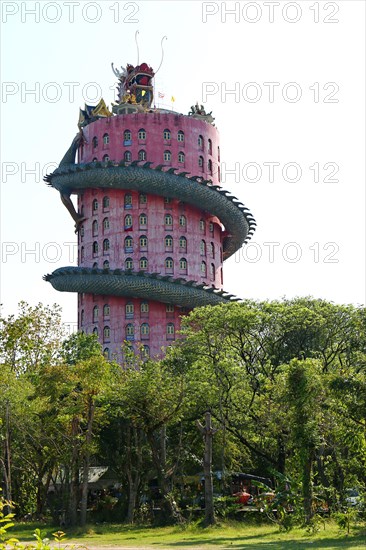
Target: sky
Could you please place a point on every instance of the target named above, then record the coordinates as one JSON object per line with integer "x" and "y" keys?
{"x": 285, "y": 82}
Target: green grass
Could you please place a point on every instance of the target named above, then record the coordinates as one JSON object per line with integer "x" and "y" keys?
{"x": 229, "y": 535}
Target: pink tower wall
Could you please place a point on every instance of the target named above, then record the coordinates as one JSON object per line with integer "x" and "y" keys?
{"x": 102, "y": 239}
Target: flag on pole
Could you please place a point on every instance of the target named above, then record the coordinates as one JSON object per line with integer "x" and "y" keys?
{"x": 161, "y": 95}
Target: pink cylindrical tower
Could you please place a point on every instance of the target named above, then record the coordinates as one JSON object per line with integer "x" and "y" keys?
{"x": 154, "y": 225}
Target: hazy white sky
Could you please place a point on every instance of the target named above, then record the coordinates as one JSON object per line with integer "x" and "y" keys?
{"x": 292, "y": 129}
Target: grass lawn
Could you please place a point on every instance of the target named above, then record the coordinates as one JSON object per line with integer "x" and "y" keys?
{"x": 229, "y": 535}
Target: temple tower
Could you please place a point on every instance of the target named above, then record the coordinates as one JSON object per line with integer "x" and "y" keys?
{"x": 154, "y": 226}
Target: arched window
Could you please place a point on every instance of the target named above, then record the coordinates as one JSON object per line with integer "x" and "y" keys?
{"x": 128, "y": 221}
{"x": 105, "y": 224}
{"x": 209, "y": 166}
{"x": 183, "y": 265}
{"x": 202, "y": 225}
{"x": 95, "y": 265}
{"x": 145, "y": 351}
{"x": 82, "y": 231}
{"x": 128, "y": 201}
{"x": 95, "y": 142}
{"x": 107, "y": 354}
{"x": 180, "y": 136}
{"x": 143, "y": 220}
{"x": 106, "y": 139}
{"x": 169, "y": 265}
{"x": 182, "y": 221}
{"x": 130, "y": 332}
{"x": 200, "y": 163}
{"x": 166, "y": 134}
{"x": 95, "y": 331}
{"x": 181, "y": 157}
{"x": 143, "y": 263}
{"x": 105, "y": 203}
{"x": 212, "y": 246}
{"x": 95, "y": 248}
{"x": 218, "y": 153}
{"x": 167, "y": 156}
{"x": 82, "y": 254}
{"x": 142, "y": 199}
{"x": 218, "y": 173}
{"x": 128, "y": 263}
{"x": 143, "y": 242}
{"x": 95, "y": 159}
{"x": 142, "y": 155}
{"x": 200, "y": 142}
{"x": 127, "y": 136}
{"x": 95, "y": 206}
{"x": 106, "y": 311}
{"x": 203, "y": 248}
{"x": 145, "y": 330}
{"x": 221, "y": 276}
{"x": 211, "y": 227}
{"x": 95, "y": 314}
{"x": 203, "y": 269}
{"x": 106, "y": 334}
{"x": 168, "y": 220}
{"x": 128, "y": 244}
{"x": 212, "y": 272}
{"x": 209, "y": 143}
{"x": 169, "y": 308}
{"x": 106, "y": 246}
{"x": 82, "y": 317}
{"x": 129, "y": 310}
{"x": 144, "y": 307}
{"x": 170, "y": 331}
{"x": 106, "y": 158}
{"x": 183, "y": 243}
{"x": 106, "y": 264}
{"x": 141, "y": 134}
{"x": 127, "y": 156}
{"x": 168, "y": 243}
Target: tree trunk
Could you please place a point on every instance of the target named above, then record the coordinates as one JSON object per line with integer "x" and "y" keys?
{"x": 74, "y": 471}
{"x": 307, "y": 486}
{"x": 133, "y": 471}
{"x": 86, "y": 462}
{"x": 207, "y": 431}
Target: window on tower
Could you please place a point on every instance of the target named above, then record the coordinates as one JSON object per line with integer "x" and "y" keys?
{"x": 168, "y": 220}
{"x": 106, "y": 139}
{"x": 203, "y": 248}
{"x": 200, "y": 163}
{"x": 105, "y": 203}
{"x": 145, "y": 351}
{"x": 203, "y": 269}
{"x": 82, "y": 254}
{"x": 106, "y": 158}
{"x": 169, "y": 265}
{"x": 106, "y": 334}
{"x": 128, "y": 222}
{"x": 170, "y": 331}
{"x": 95, "y": 248}
{"x": 181, "y": 157}
{"x": 212, "y": 272}
{"x": 209, "y": 167}
{"x": 183, "y": 243}
{"x": 95, "y": 331}
{"x": 95, "y": 206}
{"x": 127, "y": 156}
{"x": 128, "y": 263}
{"x": 183, "y": 265}
{"x": 129, "y": 310}
{"x": 106, "y": 264}
{"x": 106, "y": 246}
{"x": 95, "y": 314}
{"x": 167, "y": 156}
{"x": 180, "y": 136}
{"x": 143, "y": 242}
{"x": 143, "y": 263}
{"x": 142, "y": 155}
{"x": 105, "y": 224}
{"x": 144, "y": 309}
{"x": 145, "y": 331}
{"x": 107, "y": 353}
{"x": 130, "y": 332}
{"x": 167, "y": 135}
{"x": 182, "y": 221}
{"x": 202, "y": 225}
{"x": 209, "y": 145}
{"x": 168, "y": 243}
{"x": 141, "y": 134}
{"x": 200, "y": 142}
{"x": 95, "y": 142}
{"x": 106, "y": 311}
{"x": 128, "y": 244}
{"x": 143, "y": 221}
{"x": 142, "y": 199}
{"x": 128, "y": 201}
{"x": 127, "y": 137}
